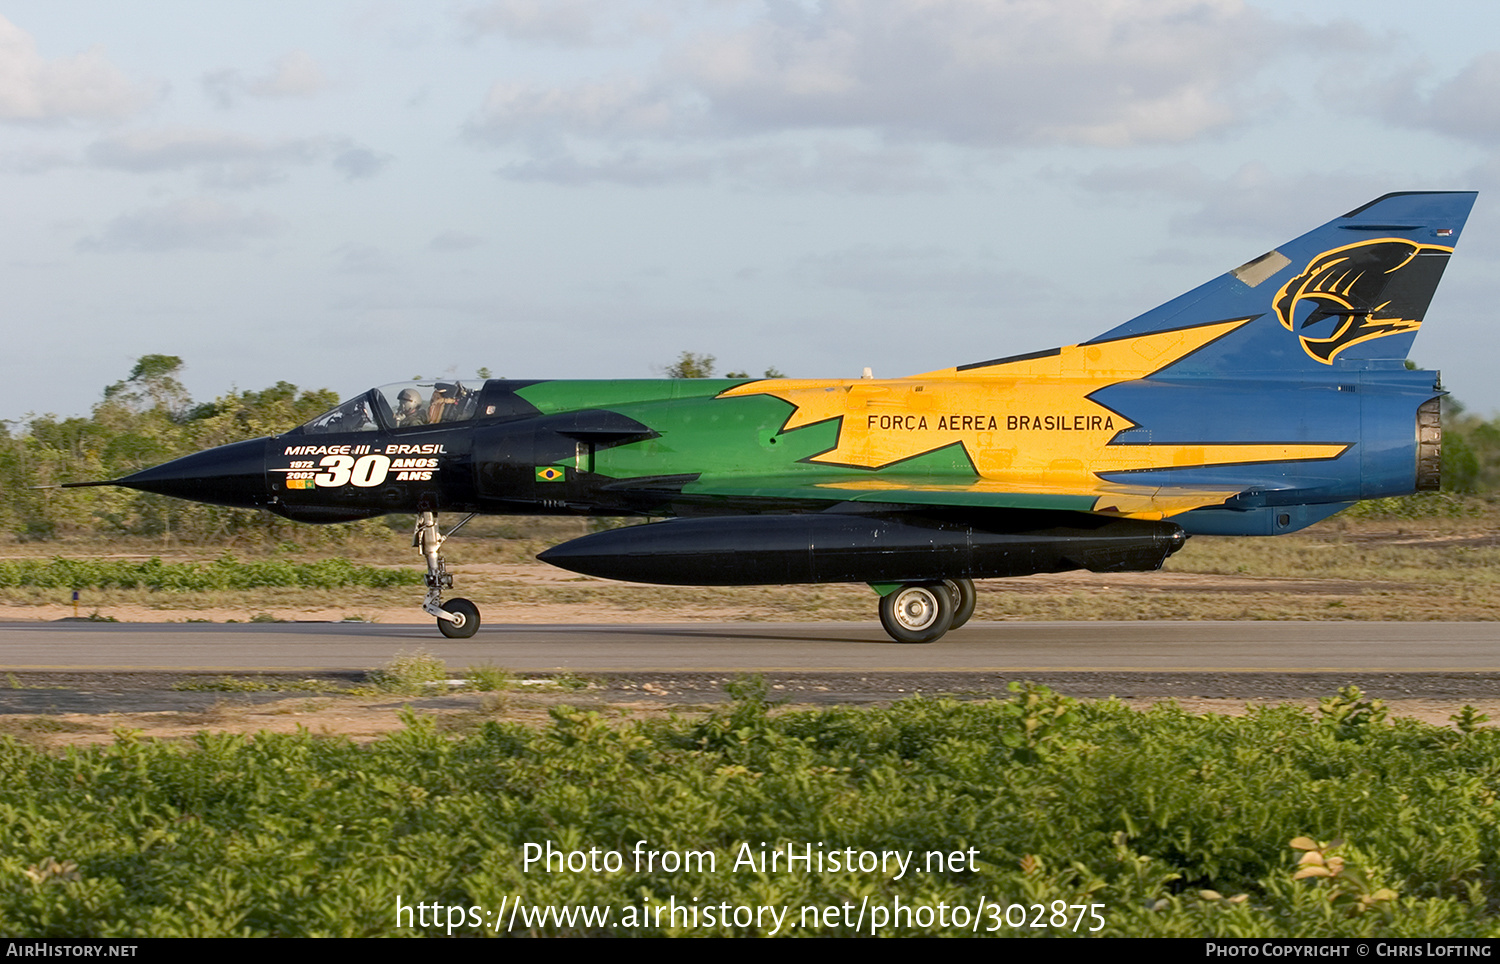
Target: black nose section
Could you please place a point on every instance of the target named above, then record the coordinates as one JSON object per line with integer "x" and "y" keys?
{"x": 228, "y": 475}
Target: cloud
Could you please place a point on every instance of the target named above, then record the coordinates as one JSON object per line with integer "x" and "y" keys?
{"x": 202, "y": 224}
{"x": 557, "y": 21}
{"x": 228, "y": 159}
{"x": 966, "y": 72}
{"x": 903, "y": 274}
{"x": 1251, "y": 202}
{"x": 1467, "y": 106}
{"x": 357, "y": 163}
{"x": 1023, "y": 73}
{"x": 627, "y": 168}
{"x": 363, "y": 259}
{"x": 34, "y": 161}
{"x": 293, "y": 75}
{"x": 566, "y": 23}
{"x": 830, "y": 166}
{"x": 622, "y": 108}
{"x": 450, "y": 241}
{"x": 83, "y": 87}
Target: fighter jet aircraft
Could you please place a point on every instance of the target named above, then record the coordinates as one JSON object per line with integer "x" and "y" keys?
{"x": 1265, "y": 400}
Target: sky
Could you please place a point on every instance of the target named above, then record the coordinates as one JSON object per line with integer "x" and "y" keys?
{"x": 346, "y": 194}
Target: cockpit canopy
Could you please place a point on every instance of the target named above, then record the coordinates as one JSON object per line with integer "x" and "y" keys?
{"x": 399, "y": 406}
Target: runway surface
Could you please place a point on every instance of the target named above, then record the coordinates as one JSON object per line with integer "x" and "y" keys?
{"x": 1005, "y": 647}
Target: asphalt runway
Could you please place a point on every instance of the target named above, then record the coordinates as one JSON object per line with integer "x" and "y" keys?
{"x": 988, "y": 648}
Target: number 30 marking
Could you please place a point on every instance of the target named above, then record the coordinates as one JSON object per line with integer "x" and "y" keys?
{"x": 369, "y": 471}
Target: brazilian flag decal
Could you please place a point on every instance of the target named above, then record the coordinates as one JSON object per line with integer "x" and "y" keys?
{"x": 550, "y": 473}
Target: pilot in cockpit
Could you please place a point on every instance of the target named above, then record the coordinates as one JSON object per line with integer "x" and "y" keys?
{"x": 409, "y": 409}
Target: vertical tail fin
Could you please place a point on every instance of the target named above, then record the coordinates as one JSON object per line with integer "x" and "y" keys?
{"x": 1349, "y": 294}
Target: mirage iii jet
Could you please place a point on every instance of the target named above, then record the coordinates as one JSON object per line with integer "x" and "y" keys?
{"x": 1265, "y": 400}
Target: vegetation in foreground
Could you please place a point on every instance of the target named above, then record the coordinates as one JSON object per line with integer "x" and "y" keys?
{"x": 1281, "y": 822}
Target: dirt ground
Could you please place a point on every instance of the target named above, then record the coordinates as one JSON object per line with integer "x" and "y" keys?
{"x": 1441, "y": 569}
{"x": 534, "y": 582}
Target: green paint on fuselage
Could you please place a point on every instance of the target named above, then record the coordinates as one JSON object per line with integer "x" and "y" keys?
{"x": 717, "y": 437}
{"x": 724, "y": 438}
{"x": 697, "y": 432}
{"x": 569, "y": 396}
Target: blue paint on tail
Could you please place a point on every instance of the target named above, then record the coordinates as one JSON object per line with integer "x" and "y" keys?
{"x": 1321, "y": 359}
{"x": 1348, "y": 295}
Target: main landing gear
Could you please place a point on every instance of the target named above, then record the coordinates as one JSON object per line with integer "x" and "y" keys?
{"x": 456, "y": 618}
{"x": 921, "y": 612}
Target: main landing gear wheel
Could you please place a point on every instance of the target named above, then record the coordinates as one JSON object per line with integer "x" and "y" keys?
{"x": 964, "y": 599}
{"x": 917, "y": 612}
{"x": 465, "y": 621}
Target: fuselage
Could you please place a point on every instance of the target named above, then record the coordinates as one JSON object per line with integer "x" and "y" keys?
{"x": 703, "y": 447}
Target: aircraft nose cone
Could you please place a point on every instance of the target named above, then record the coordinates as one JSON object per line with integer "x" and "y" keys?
{"x": 233, "y": 475}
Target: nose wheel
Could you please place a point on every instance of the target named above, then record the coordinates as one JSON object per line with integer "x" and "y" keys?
{"x": 465, "y": 621}
{"x": 456, "y": 618}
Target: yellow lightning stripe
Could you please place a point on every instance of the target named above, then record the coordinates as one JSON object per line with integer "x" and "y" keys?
{"x": 1028, "y": 421}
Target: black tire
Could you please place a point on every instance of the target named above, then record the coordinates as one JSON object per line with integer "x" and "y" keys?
{"x": 917, "y": 612}
{"x": 468, "y": 619}
{"x": 964, "y": 599}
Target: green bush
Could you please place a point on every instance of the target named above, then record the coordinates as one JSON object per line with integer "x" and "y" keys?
{"x": 223, "y": 574}
{"x": 1278, "y": 823}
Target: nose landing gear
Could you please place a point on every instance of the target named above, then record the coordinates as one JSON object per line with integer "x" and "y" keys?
{"x": 456, "y": 618}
